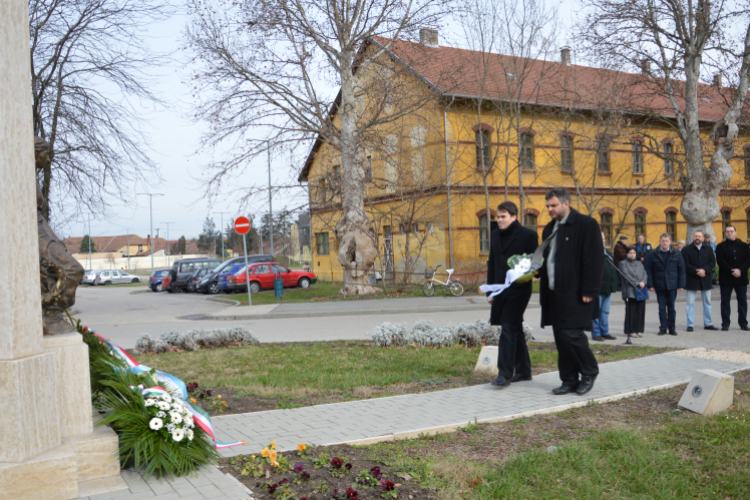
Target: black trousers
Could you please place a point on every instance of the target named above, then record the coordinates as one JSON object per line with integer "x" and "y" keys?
{"x": 512, "y": 352}
{"x": 726, "y": 296}
{"x": 574, "y": 356}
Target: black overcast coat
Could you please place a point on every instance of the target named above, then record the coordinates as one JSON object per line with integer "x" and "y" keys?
{"x": 509, "y": 306}
{"x": 732, "y": 255}
{"x": 698, "y": 259}
{"x": 579, "y": 265}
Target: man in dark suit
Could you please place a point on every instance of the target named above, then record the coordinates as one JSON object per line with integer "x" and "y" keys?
{"x": 571, "y": 277}
{"x": 699, "y": 268}
{"x": 509, "y": 239}
{"x": 733, "y": 258}
{"x": 666, "y": 276}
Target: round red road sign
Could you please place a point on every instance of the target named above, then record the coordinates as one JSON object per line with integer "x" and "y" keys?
{"x": 242, "y": 225}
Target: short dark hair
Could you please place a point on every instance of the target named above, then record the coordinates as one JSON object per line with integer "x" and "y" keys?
{"x": 728, "y": 226}
{"x": 508, "y": 206}
{"x": 560, "y": 193}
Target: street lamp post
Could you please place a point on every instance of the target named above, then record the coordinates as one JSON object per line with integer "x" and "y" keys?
{"x": 222, "y": 233}
{"x": 270, "y": 202}
{"x": 151, "y": 215}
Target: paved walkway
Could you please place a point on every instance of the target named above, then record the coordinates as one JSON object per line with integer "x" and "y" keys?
{"x": 410, "y": 415}
{"x": 208, "y": 483}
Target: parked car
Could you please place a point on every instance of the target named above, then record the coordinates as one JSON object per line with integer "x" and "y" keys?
{"x": 210, "y": 283}
{"x": 262, "y": 276}
{"x": 156, "y": 279}
{"x": 192, "y": 282}
{"x": 87, "y": 271}
{"x": 184, "y": 268}
{"x": 222, "y": 283}
{"x": 89, "y": 278}
{"x": 113, "y": 277}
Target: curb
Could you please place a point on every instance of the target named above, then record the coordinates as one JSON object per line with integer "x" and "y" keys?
{"x": 370, "y": 312}
{"x": 233, "y": 303}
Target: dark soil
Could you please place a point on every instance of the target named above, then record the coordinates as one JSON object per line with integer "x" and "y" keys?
{"x": 323, "y": 485}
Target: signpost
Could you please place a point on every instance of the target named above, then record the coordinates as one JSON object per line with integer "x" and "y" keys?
{"x": 242, "y": 226}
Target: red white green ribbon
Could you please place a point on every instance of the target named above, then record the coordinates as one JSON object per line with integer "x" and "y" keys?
{"x": 175, "y": 388}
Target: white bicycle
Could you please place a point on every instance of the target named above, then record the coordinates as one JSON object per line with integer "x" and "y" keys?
{"x": 453, "y": 286}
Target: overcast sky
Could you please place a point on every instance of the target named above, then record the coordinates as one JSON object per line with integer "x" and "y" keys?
{"x": 174, "y": 139}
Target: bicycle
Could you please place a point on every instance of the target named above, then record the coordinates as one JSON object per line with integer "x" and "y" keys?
{"x": 456, "y": 288}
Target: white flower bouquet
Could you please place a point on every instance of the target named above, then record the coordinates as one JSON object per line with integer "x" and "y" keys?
{"x": 521, "y": 264}
{"x": 169, "y": 417}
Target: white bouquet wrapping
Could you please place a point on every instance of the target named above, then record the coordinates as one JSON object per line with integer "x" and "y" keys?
{"x": 520, "y": 272}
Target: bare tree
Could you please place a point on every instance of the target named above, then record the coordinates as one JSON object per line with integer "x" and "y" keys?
{"x": 680, "y": 39}
{"x": 81, "y": 52}
{"x": 268, "y": 67}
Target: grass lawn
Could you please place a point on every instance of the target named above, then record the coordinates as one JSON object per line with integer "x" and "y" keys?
{"x": 322, "y": 291}
{"x": 294, "y": 374}
{"x": 637, "y": 448}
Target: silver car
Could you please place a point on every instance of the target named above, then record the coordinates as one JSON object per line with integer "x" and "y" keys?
{"x": 90, "y": 277}
{"x": 113, "y": 277}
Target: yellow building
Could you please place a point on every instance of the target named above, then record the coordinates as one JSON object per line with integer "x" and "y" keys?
{"x": 502, "y": 128}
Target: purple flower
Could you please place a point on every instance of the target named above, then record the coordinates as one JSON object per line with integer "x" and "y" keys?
{"x": 299, "y": 467}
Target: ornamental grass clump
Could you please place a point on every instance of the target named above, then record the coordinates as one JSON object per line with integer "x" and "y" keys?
{"x": 389, "y": 334}
{"x": 423, "y": 333}
{"x": 194, "y": 340}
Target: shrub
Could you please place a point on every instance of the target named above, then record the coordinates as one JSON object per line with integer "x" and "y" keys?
{"x": 423, "y": 333}
{"x": 195, "y": 339}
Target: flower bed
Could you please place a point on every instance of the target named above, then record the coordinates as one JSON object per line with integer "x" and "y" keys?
{"x": 194, "y": 340}
{"x": 337, "y": 472}
{"x": 423, "y": 333}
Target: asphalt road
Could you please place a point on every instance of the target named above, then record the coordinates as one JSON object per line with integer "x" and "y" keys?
{"x": 122, "y": 316}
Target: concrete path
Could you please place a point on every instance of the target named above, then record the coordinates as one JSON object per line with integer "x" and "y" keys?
{"x": 208, "y": 483}
{"x": 409, "y": 415}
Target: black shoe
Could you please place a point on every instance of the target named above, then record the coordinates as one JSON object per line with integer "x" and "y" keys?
{"x": 710, "y": 328}
{"x": 597, "y": 339}
{"x": 520, "y": 378}
{"x": 744, "y": 328}
{"x": 724, "y": 328}
{"x": 662, "y": 332}
{"x": 690, "y": 328}
{"x": 608, "y": 337}
{"x": 587, "y": 383}
{"x": 501, "y": 382}
{"x": 566, "y": 388}
{"x": 673, "y": 332}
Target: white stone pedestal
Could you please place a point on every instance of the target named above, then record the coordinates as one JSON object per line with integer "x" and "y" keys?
{"x": 487, "y": 362}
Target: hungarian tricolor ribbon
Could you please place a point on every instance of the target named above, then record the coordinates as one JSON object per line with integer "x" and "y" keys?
{"x": 174, "y": 387}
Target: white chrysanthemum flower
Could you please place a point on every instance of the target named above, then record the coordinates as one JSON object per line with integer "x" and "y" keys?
{"x": 189, "y": 420}
{"x": 150, "y": 402}
{"x": 163, "y": 405}
{"x": 190, "y": 434}
{"x": 175, "y": 417}
{"x": 156, "y": 424}
{"x": 178, "y": 434}
{"x": 161, "y": 414}
{"x": 171, "y": 427}
{"x": 166, "y": 397}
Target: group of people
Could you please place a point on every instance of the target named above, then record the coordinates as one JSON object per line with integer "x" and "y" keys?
{"x": 667, "y": 270}
{"x": 578, "y": 275}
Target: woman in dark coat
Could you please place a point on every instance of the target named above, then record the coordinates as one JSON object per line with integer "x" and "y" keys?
{"x": 635, "y": 310}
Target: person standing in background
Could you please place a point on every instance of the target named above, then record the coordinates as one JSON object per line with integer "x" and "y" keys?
{"x": 635, "y": 303}
{"x": 699, "y": 267}
{"x": 666, "y": 277}
{"x": 733, "y": 258}
{"x": 642, "y": 249}
{"x": 600, "y": 332}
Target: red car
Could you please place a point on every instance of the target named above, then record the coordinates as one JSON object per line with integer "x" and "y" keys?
{"x": 263, "y": 274}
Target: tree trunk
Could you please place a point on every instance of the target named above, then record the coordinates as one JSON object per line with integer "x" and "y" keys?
{"x": 357, "y": 250}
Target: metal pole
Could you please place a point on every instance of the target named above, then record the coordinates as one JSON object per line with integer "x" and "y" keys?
{"x": 89, "y": 241}
{"x": 270, "y": 203}
{"x": 151, "y": 215}
{"x": 247, "y": 271}
{"x": 167, "y": 244}
{"x": 448, "y": 184}
{"x": 222, "y": 233}
{"x": 128, "y": 244}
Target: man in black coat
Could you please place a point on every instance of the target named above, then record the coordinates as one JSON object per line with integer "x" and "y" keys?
{"x": 699, "y": 267}
{"x": 571, "y": 277}
{"x": 666, "y": 276}
{"x": 733, "y": 258}
{"x": 509, "y": 239}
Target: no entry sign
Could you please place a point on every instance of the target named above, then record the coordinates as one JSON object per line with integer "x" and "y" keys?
{"x": 242, "y": 225}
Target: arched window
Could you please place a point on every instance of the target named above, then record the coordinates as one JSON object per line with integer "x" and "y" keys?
{"x": 726, "y": 220}
{"x": 484, "y": 234}
{"x": 669, "y": 161}
{"x": 566, "y": 153}
{"x": 529, "y": 220}
{"x": 672, "y": 225}
{"x": 526, "y": 151}
{"x": 484, "y": 152}
{"x": 640, "y": 223}
{"x": 607, "y": 227}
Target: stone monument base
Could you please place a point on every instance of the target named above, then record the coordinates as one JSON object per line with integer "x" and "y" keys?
{"x": 85, "y": 462}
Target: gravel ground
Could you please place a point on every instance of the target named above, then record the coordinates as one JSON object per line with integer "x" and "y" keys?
{"x": 702, "y": 352}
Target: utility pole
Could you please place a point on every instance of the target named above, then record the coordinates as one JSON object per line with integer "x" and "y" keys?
{"x": 151, "y": 212}
{"x": 127, "y": 242}
{"x": 270, "y": 202}
{"x": 89, "y": 216}
{"x": 167, "y": 250}
{"x": 222, "y": 233}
